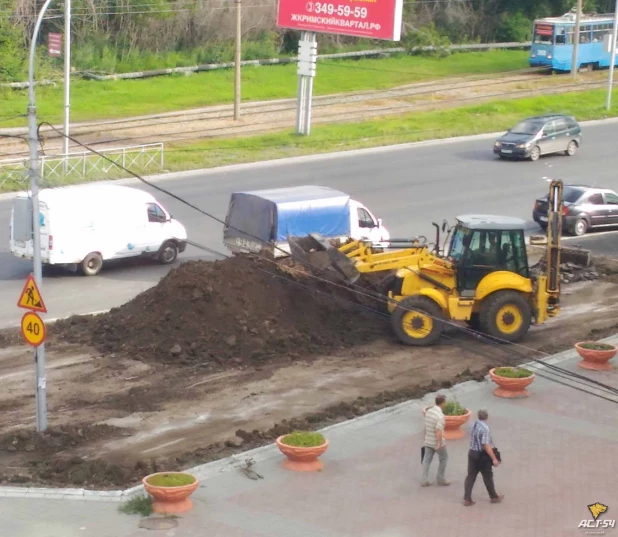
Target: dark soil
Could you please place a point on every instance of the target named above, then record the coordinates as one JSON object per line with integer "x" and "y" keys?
{"x": 58, "y": 469}
{"x": 231, "y": 312}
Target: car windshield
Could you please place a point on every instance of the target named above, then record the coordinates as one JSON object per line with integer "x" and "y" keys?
{"x": 527, "y": 127}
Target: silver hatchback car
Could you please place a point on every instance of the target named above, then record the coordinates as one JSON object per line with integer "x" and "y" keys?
{"x": 540, "y": 135}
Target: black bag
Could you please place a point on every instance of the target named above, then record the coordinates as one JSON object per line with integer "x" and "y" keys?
{"x": 487, "y": 459}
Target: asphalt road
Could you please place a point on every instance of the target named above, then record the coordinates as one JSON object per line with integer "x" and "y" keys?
{"x": 408, "y": 188}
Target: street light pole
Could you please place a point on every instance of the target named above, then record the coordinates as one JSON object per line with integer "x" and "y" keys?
{"x": 237, "y": 57}
{"x": 612, "y": 63}
{"x": 67, "y": 81}
{"x": 576, "y": 39}
{"x": 39, "y": 352}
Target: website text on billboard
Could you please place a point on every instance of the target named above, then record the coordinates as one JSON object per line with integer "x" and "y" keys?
{"x": 374, "y": 19}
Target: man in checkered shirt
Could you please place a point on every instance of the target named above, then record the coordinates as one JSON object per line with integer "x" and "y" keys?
{"x": 434, "y": 442}
{"x": 481, "y": 458}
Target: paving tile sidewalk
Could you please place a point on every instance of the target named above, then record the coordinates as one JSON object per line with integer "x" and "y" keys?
{"x": 560, "y": 452}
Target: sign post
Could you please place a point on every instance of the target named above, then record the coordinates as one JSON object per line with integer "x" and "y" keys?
{"x": 373, "y": 19}
{"x": 307, "y": 58}
{"x": 33, "y": 331}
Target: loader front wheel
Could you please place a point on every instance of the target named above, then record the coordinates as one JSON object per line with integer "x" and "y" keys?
{"x": 506, "y": 315}
{"x": 417, "y": 320}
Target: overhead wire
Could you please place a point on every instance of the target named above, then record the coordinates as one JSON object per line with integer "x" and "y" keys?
{"x": 564, "y": 372}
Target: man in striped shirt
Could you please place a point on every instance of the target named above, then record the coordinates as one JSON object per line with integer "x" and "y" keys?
{"x": 434, "y": 442}
{"x": 481, "y": 458}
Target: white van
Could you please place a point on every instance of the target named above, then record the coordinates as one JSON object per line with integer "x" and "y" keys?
{"x": 85, "y": 225}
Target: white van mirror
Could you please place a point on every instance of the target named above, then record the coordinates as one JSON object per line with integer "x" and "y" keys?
{"x": 379, "y": 222}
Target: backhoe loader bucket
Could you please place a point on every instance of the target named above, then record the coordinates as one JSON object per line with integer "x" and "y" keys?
{"x": 316, "y": 253}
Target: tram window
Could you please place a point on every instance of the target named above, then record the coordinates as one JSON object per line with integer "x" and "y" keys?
{"x": 584, "y": 35}
{"x": 560, "y": 35}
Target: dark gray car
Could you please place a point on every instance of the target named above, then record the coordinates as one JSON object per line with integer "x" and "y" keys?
{"x": 540, "y": 135}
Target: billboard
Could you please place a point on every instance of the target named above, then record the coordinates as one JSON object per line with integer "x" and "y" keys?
{"x": 373, "y": 19}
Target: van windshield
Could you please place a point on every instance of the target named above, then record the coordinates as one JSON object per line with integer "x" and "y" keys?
{"x": 527, "y": 127}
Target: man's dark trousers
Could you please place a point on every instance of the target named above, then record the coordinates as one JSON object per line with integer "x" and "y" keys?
{"x": 479, "y": 461}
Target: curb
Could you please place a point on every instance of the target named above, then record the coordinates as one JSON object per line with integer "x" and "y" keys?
{"x": 263, "y": 453}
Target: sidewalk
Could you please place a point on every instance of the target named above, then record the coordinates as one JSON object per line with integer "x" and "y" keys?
{"x": 559, "y": 450}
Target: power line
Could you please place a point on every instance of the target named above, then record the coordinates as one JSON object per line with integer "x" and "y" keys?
{"x": 363, "y": 292}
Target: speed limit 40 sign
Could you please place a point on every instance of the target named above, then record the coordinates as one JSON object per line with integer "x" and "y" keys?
{"x": 33, "y": 329}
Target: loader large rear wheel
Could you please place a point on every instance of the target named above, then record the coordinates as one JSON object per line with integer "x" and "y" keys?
{"x": 417, "y": 320}
{"x": 506, "y": 315}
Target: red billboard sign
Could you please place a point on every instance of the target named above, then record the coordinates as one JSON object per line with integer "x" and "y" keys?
{"x": 54, "y": 44}
{"x": 374, "y": 19}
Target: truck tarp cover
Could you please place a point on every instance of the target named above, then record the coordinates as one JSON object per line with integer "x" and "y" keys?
{"x": 273, "y": 215}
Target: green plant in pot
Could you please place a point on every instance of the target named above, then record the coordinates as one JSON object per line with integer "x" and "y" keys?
{"x": 170, "y": 491}
{"x": 455, "y": 415}
{"x": 302, "y": 449}
{"x": 596, "y": 355}
{"x": 511, "y": 381}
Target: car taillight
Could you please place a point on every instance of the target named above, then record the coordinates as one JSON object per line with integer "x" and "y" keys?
{"x": 536, "y": 205}
{"x": 51, "y": 242}
{"x": 565, "y": 211}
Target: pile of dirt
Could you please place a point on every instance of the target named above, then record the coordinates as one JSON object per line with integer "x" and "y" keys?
{"x": 237, "y": 311}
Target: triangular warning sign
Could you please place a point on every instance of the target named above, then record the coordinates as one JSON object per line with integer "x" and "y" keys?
{"x": 31, "y": 298}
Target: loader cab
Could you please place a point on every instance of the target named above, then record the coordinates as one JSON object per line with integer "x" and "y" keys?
{"x": 482, "y": 244}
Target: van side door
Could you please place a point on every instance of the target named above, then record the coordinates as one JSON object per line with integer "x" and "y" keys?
{"x": 366, "y": 223}
{"x": 547, "y": 142}
{"x": 155, "y": 229}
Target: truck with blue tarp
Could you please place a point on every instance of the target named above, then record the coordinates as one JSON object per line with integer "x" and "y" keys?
{"x": 261, "y": 220}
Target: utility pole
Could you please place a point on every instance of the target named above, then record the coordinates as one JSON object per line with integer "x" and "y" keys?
{"x": 237, "y": 56}
{"x": 67, "y": 81}
{"x": 578, "y": 15}
{"x": 612, "y": 63}
{"x": 39, "y": 352}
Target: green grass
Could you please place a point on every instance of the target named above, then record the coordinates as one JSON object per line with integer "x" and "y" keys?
{"x": 303, "y": 439}
{"x": 93, "y": 100}
{"x": 513, "y": 372}
{"x": 138, "y": 505}
{"x": 489, "y": 117}
{"x": 171, "y": 480}
{"x": 453, "y": 408}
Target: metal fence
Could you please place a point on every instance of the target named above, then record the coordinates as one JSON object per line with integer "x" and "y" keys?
{"x": 57, "y": 169}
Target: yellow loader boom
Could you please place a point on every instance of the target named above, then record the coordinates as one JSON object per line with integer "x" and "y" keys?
{"x": 482, "y": 279}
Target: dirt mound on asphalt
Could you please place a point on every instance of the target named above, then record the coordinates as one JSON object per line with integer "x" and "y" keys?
{"x": 230, "y": 312}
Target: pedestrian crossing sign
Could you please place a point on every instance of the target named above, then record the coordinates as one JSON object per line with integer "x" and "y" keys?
{"x": 31, "y": 298}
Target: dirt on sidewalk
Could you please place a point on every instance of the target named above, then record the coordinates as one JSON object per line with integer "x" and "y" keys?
{"x": 160, "y": 383}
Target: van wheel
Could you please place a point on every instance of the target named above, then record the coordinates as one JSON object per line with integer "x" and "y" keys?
{"x": 91, "y": 265}
{"x": 168, "y": 253}
{"x": 571, "y": 148}
{"x": 535, "y": 153}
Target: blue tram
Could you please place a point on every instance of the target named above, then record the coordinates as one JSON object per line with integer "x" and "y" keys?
{"x": 552, "y": 42}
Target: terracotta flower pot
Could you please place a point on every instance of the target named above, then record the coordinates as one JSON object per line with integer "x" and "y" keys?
{"x": 597, "y": 360}
{"x": 170, "y": 500}
{"x": 452, "y": 425}
{"x": 302, "y": 459}
{"x": 511, "y": 388}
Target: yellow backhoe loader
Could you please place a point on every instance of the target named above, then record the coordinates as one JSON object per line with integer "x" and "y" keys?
{"x": 483, "y": 278}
